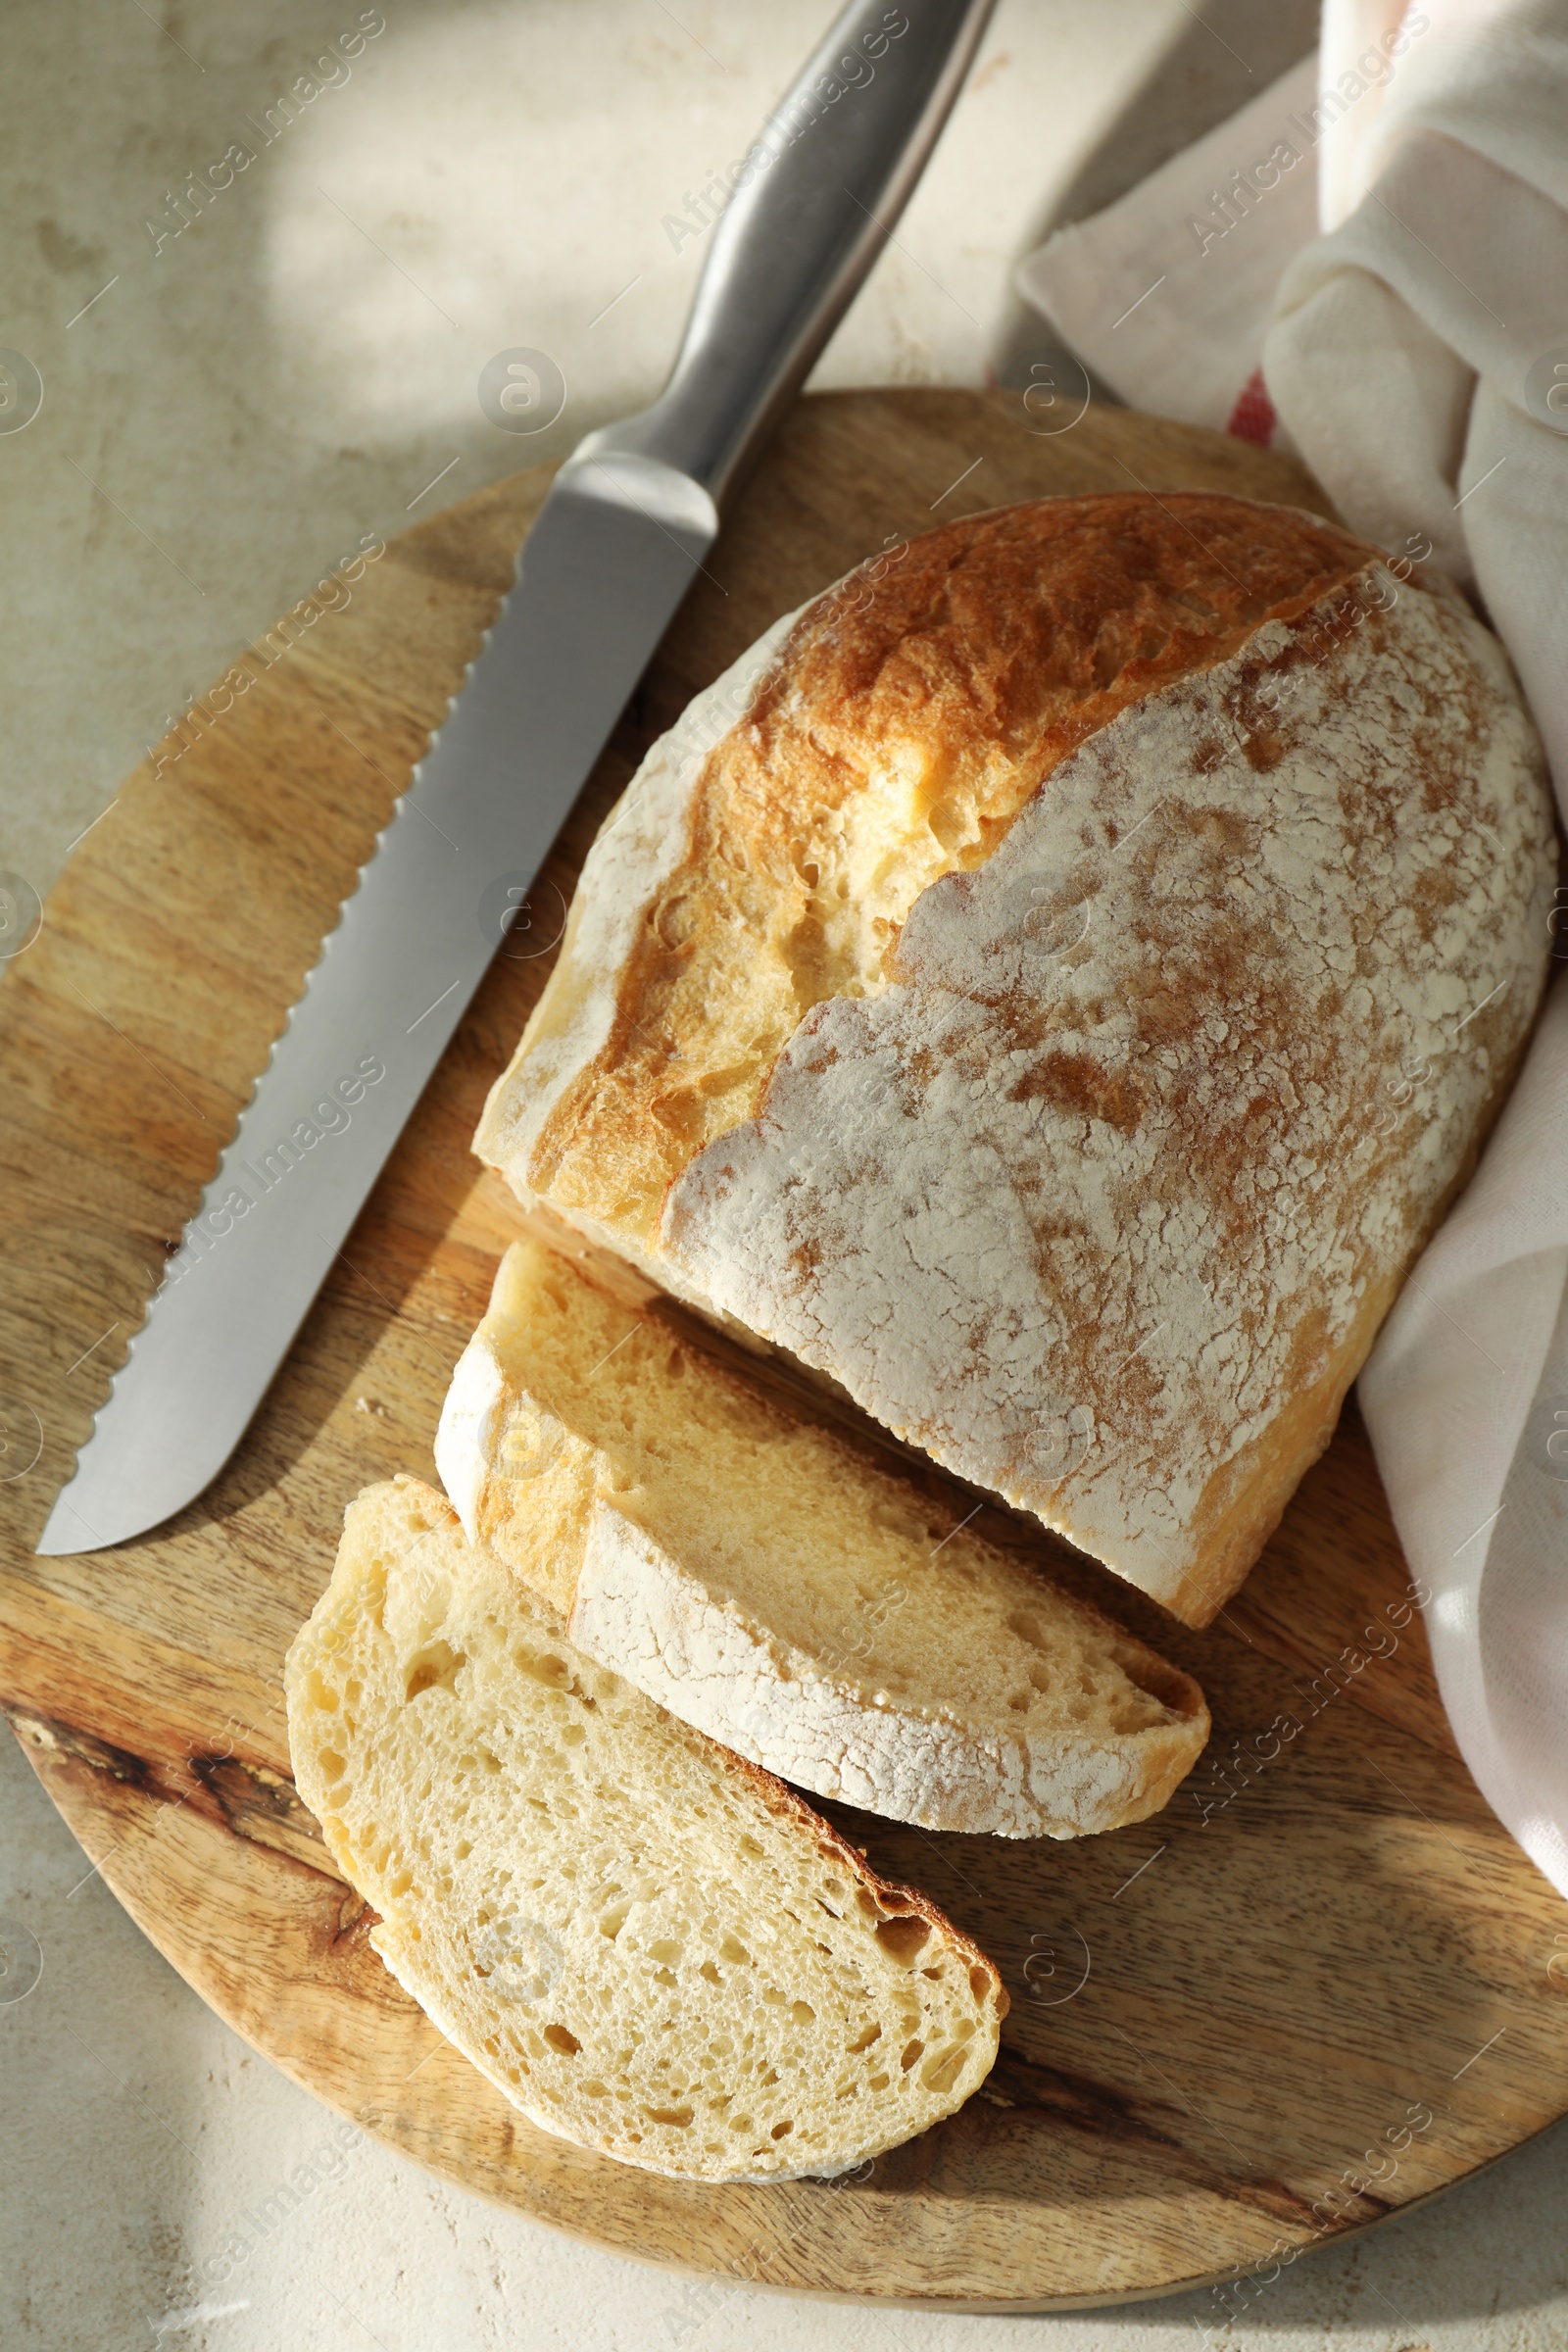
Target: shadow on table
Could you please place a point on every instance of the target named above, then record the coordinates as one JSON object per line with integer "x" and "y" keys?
{"x": 105, "y": 2060}
{"x": 1213, "y": 67}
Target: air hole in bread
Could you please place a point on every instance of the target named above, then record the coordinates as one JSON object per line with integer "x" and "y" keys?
{"x": 1173, "y": 1690}
{"x": 553, "y": 1672}
{"x": 873, "y": 2032}
{"x": 903, "y": 1936}
{"x": 560, "y": 2040}
{"x": 435, "y": 1668}
{"x": 942, "y": 2070}
{"x": 911, "y": 2051}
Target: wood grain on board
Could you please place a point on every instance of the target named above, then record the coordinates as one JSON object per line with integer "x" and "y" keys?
{"x": 1238, "y": 2030}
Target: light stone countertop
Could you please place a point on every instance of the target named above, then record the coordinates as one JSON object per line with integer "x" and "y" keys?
{"x": 226, "y": 412}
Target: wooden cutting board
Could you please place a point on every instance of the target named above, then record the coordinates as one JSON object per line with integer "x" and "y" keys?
{"x": 1319, "y": 1988}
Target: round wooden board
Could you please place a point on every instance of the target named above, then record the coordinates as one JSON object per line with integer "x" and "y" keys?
{"x": 1317, "y": 1989}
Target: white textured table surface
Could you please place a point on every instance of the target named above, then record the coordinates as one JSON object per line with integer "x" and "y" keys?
{"x": 235, "y": 407}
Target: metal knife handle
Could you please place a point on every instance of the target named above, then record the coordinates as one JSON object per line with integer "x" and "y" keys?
{"x": 821, "y": 187}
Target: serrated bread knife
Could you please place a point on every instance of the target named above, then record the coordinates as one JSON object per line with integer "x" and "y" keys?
{"x": 628, "y": 522}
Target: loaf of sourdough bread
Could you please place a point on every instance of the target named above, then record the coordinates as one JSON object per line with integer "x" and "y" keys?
{"x": 772, "y": 1584}
{"x": 647, "y": 1944}
{"x": 1054, "y": 989}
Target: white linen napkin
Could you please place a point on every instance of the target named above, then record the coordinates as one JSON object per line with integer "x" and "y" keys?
{"x": 1414, "y": 350}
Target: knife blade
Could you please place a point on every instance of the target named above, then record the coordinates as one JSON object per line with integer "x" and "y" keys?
{"x": 628, "y": 522}
{"x": 599, "y": 579}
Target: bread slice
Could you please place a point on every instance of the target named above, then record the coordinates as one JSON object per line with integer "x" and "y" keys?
{"x": 770, "y": 1582}
{"x": 648, "y": 1946}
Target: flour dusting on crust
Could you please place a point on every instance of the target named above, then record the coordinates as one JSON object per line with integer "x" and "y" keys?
{"x": 640, "y": 1610}
{"x": 1121, "y": 1169}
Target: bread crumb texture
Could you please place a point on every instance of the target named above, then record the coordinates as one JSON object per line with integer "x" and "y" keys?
{"x": 783, "y": 1590}
{"x": 653, "y": 1948}
{"x": 1093, "y": 962}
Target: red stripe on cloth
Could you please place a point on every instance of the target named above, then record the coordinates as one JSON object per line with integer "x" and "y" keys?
{"x": 1252, "y": 419}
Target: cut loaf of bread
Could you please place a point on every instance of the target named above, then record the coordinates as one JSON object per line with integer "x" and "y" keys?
{"x": 770, "y": 1581}
{"x": 649, "y": 1946}
{"x": 1053, "y": 986}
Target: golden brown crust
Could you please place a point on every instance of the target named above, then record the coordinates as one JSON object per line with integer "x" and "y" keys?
{"x": 892, "y": 1898}
{"x": 966, "y": 673}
